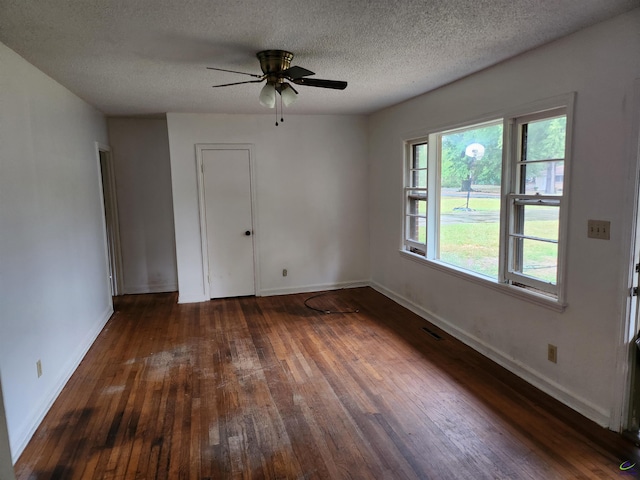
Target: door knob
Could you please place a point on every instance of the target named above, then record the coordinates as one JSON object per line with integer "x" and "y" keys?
{"x": 247, "y": 233}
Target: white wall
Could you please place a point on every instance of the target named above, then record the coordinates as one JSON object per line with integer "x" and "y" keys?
{"x": 140, "y": 152}
{"x": 600, "y": 64}
{"x": 54, "y": 290}
{"x": 311, "y": 192}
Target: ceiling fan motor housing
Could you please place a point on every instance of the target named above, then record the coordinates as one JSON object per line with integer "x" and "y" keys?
{"x": 272, "y": 62}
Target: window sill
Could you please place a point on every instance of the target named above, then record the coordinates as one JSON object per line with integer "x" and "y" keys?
{"x": 518, "y": 292}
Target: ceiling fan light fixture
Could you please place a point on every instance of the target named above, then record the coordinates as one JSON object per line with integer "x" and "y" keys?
{"x": 280, "y": 77}
{"x": 288, "y": 94}
{"x": 268, "y": 95}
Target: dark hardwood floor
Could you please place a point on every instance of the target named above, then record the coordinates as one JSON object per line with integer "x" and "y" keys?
{"x": 254, "y": 388}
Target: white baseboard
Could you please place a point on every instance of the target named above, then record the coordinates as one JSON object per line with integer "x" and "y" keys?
{"x": 19, "y": 444}
{"x": 312, "y": 288}
{"x": 191, "y": 298}
{"x": 557, "y": 391}
{"x": 138, "y": 289}
{"x": 195, "y": 298}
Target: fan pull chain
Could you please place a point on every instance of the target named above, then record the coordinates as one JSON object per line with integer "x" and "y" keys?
{"x": 276, "y": 112}
{"x": 281, "y": 110}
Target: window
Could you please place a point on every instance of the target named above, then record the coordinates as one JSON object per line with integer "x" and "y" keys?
{"x": 469, "y": 198}
{"x": 536, "y": 199}
{"x": 416, "y": 195}
{"x": 492, "y": 212}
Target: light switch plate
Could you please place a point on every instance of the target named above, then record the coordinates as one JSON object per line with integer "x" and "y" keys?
{"x": 598, "y": 229}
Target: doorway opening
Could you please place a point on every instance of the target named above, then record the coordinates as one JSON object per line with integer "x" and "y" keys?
{"x": 629, "y": 357}
{"x": 112, "y": 231}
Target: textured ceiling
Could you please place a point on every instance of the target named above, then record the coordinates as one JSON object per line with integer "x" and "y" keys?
{"x": 141, "y": 57}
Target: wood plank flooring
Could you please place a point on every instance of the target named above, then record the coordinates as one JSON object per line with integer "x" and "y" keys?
{"x": 266, "y": 388}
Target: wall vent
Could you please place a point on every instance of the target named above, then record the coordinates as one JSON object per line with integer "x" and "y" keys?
{"x": 433, "y": 334}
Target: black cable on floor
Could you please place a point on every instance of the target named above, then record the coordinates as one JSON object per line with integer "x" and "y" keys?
{"x": 324, "y": 310}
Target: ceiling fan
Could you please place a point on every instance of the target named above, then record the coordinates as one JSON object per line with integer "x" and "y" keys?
{"x": 278, "y": 72}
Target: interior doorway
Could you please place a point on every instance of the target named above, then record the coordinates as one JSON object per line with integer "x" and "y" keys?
{"x": 630, "y": 341}
{"x": 112, "y": 231}
{"x": 227, "y": 220}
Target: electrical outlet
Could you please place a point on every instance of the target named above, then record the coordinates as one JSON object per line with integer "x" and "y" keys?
{"x": 552, "y": 353}
{"x": 284, "y": 272}
{"x": 39, "y": 368}
{"x": 598, "y": 229}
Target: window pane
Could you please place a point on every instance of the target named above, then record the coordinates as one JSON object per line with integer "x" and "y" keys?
{"x": 470, "y": 198}
{"x": 545, "y": 178}
{"x": 417, "y": 229}
{"x": 417, "y": 205}
{"x": 541, "y": 222}
{"x": 419, "y": 178}
{"x": 469, "y": 245}
{"x": 419, "y": 159}
{"x": 539, "y": 260}
{"x": 545, "y": 139}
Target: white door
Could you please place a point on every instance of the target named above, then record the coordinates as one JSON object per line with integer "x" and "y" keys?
{"x": 229, "y": 224}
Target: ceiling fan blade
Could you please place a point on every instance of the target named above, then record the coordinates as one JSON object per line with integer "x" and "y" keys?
{"x": 315, "y": 82}
{"x": 296, "y": 72}
{"x": 234, "y": 71}
{"x": 238, "y": 83}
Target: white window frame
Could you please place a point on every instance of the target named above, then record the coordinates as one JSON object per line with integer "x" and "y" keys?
{"x": 513, "y": 197}
{"x": 508, "y": 281}
{"x": 409, "y": 187}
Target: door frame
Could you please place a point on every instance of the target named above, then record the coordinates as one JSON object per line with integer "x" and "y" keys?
{"x": 111, "y": 222}
{"x": 6, "y": 459}
{"x": 627, "y": 354}
{"x": 200, "y": 148}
